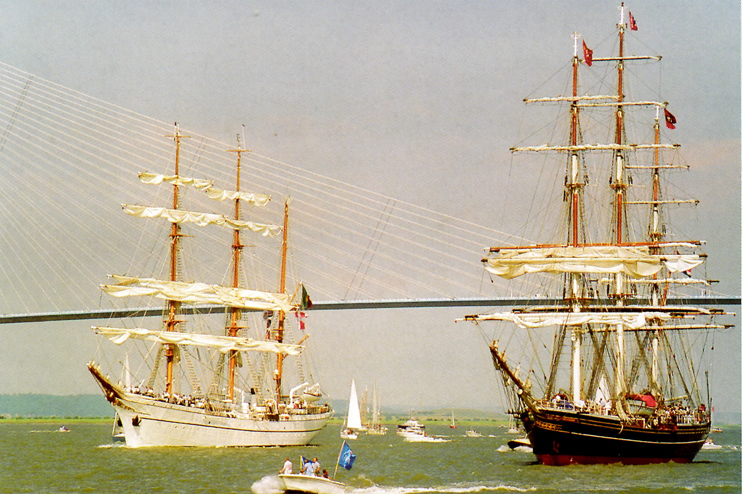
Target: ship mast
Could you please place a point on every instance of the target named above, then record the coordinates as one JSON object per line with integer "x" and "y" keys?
{"x": 173, "y": 306}
{"x": 574, "y": 191}
{"x": 282, "y": 289}
{"x": 235, "y": 312}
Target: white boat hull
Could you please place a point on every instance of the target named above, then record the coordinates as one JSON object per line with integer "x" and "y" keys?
{"x": 150, "y": 422}
{"x": 311, "y": 484}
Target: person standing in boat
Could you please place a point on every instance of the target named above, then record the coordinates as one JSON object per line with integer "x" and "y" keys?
{"x": 288, "y": 467}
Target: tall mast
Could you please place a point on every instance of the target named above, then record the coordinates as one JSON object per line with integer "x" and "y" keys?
{"x": 235, "y": 312}
{"x": 574, "y": 189}
{"x": 172, "y": 305}
{"x": 619, "y": 186}
{"x": 282, "y": 289}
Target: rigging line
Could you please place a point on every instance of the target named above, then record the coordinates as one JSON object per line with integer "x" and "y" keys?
{"x": 15, "y": 113}
{"x": 411, "y": 267}
{"x": 52, "y": 187}
{"x": 383, "y": 270}
{"x": 90, "y": 99}
{"x": 368, "y": 192}
{"x": 368, "y": 249}
{"x": 355, "y": 211}
{"x": 38, "y": 99}
{"x": 394, "y": 237}
{"x": 322, "y": 218}
{"x": 108, "y": 145}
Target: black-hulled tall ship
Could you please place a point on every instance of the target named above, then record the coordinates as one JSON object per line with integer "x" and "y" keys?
{"x": 609, "y": 369}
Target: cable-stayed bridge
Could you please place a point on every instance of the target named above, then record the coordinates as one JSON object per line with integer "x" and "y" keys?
{"x": 69, "y": 161}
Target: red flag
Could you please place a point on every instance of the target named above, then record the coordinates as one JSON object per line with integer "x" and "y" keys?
{"x": 632, "y": 22}
{"x": 670, "y": 120}
{"x": 588, "y": 54}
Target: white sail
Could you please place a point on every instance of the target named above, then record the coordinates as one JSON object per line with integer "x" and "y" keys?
{"x": 201, "y": 219}
{"x": 158, "y": 178}
{"x": 231, "y": 195}
{"x": 540, "y": 320}
{"x": 354, "y": 412}
{"x": 224, "y": 344}
{"x": 632, "y": 261}
{"x": 198, "y": 293}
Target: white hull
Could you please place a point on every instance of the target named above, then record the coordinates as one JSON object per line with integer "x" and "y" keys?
{"x": 311, "y": 484}
{"x": 150, "y": 422}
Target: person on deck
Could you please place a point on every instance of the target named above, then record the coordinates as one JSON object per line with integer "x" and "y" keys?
{"x": 310, "y": 468}
{"x": 288, "y": 467}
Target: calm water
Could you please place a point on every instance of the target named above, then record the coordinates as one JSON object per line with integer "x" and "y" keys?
{"x": 36, "y": 459}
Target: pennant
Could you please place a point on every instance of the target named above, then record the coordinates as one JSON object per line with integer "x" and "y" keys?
{"x": 306, "y": 302}
{"x": 346, "y": 457}
{"x": 588, "y": 54}
{"x": 632, "y": 22}
{"x": 670, "y": 120}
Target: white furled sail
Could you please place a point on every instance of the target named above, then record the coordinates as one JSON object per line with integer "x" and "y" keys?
{"x": 231, "y": 195}
{"x": 224, "y": 344}
{"x": 632, "y": 261}
{"x": 198, "y": 293}
{"x": 540, "y": 320}
{"x": 200, "y": 219}
{"x": 158, "y": 178}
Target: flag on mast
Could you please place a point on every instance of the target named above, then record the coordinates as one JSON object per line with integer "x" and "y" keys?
{"x": 632, "y": 22}
{"x": 670, "y": 119}
{"x": 346, "y": 457}
{"x": 588, "y": 54}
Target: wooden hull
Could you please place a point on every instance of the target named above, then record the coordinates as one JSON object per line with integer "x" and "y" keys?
{"x": 311, "y": 484}
{"x": 568, "y": 437}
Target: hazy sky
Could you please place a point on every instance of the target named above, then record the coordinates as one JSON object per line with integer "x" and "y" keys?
{"x": 418, "y": 100}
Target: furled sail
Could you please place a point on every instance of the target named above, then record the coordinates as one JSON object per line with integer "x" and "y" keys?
{"x": 631, "y": 320}
{"x": 632, "y": 261}
{"x": 198, "y": 293}
{"x": 201, "y": 219}
{"x": 158, "y": 178}
{"x": 224, "y": 344}
{"x": 231, "y": 195}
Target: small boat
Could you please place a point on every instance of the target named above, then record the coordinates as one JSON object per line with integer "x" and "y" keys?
{"x": 376, "y": 428}
{"x": 319, "y": 485}
{"x": 412, "y": 426}
{"x": 472, "y": 433}
{"x": 453, "y": 421}
{"x": 521, "y": 442}
{"x": 308, "y": 483}
{"x": 63, "y": 429}
{"x": 710, "y": 444}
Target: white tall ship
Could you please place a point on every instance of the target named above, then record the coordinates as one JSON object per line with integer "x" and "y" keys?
{"x": 199, "y": 381}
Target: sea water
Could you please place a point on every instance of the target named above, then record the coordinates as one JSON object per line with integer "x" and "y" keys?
{"x": 35, "y": 458}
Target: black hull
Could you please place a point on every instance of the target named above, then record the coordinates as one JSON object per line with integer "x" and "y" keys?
{"x": 568, "y": 437}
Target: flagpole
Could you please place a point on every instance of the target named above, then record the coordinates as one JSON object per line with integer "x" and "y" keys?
{"x": 337, "y": 463}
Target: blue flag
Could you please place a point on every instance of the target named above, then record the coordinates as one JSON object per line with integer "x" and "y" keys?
{"x": 346, "y": 457}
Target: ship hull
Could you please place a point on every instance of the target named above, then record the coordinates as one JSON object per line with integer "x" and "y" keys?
{"x": 150, "y": 422}
{"x": 564, "y": 438}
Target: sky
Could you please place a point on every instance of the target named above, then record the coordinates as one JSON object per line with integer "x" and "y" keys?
{"x": 418, "y": 100}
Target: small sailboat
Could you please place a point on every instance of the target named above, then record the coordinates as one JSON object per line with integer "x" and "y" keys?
{"x": 376, "y": 428}
{"x": 353, "y": 420}
{"x": 453, "y": 421}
